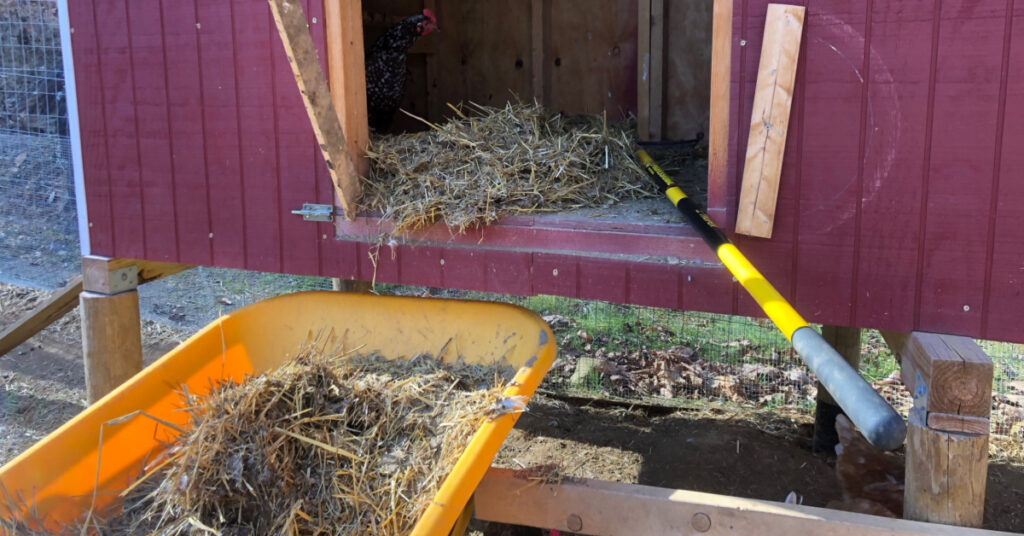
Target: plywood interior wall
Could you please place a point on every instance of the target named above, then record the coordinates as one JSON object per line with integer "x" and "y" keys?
{"x": 576, "y": 56}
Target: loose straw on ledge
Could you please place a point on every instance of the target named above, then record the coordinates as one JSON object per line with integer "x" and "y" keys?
{"x": 487, "y": 163}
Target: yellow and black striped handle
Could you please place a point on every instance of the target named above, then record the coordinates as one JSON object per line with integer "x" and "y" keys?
{"x": 877, "y": 420}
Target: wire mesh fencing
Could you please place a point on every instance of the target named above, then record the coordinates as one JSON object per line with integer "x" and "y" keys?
{"x": 38, "y": 230}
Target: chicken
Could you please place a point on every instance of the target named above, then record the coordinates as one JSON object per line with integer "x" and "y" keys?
{"x": 386, "y": 71}
{"x": 871, "y": 480}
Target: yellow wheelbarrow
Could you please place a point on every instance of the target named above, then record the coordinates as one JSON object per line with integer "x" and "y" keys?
{"x": 87, "y": 462}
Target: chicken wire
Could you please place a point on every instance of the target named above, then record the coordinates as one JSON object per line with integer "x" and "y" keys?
{"x": 38, "y": 233}
{"x": 604, "y": 349}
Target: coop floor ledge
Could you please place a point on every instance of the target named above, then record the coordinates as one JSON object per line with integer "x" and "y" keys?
{"x": 641, "y": 230}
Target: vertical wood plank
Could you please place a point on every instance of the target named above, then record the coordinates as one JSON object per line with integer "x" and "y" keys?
{"x": 967, "y": 82}
{"x": 347, "y": 75}
{"x": 829, "y": 176}
{"x": 127, "y": 209}
{"x": 538, "y": 51}
{"x": 258, "y": 122}
{"x": 152, "y": 115}
{"x": 215, "y": 26}
{"x": 92, "y": 126}
{"x": 901, "y": 38}
{"x": 770, "y": 119}
{"x": 184, "y": 95}
{"x": 657, "y": 72}
{"x": 1006, "y": 288}
{"x": 687, "y": 73}
{"x": 298, "y": 176}
{"x": 643, "y": 77}
{"x": 594, "y": 47}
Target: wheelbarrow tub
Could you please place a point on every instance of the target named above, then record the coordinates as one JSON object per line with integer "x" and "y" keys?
{"x": 89, "y": 460}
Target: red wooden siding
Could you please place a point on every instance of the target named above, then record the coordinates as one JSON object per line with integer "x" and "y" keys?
{"x": 899, "y": 206}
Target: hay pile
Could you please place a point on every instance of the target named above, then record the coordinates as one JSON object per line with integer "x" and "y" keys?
{"x": 323, "y": 445}
{"x": 493, "y": 162}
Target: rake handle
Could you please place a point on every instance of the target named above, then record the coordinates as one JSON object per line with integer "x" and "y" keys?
{"x": 876, "y": 419}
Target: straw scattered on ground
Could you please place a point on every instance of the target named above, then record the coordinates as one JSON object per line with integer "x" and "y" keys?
{"x": 487, "y": 163}
{"x": 323, "y": 445}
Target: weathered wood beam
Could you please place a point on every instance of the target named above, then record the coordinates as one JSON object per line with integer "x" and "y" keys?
{"x": 769, "y": 120}
{"x": 950, "y": 380}
{"x": 950, "y": 373}
{"x": 111, "y": 324}
{"x": 584, "y": 506}
{"x": 302, "y": 56}
{"x": 58, "y": 304}
{"x": 346, "y": 71}
{"x": 108, "y": 275}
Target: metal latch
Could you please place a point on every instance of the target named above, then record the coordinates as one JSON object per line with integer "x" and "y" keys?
{"x": 314, "y": 212}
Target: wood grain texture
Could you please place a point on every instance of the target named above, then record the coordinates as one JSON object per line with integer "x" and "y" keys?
{"x": 688, "y": 69}
{"x": 187, "y": 142}
{"x": 92, "y": 126}
{"x": 946, "y": 475}
{"x": 111, "y": 340}
{"x": 343, "y": 20}
{"x": 643, "y": 68}
{"x": 964, "y": 424}
{"x": 127, "y": 206}
{"x": 56, "y": 305}
{"x": 720, "y": 100}
{"x": 618, "y": 509}
{"x": 968, "y": 66}
{"x": 218, "y": 96}
{"x": 1004, "y": 305}
{"x": 948, "y": 373}
{"x": 152, "y": 115}
{"x": 657, "y": 69}
{"x": 594, "y": 47}
{"x": 769, "y": 122}
{"x": 302, "y": 55}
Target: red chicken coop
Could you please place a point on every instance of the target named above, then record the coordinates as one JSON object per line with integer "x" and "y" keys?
{"x": 899, "y": 199}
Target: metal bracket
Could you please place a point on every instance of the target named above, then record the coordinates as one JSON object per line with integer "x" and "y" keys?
{"x": 314, "y": 212}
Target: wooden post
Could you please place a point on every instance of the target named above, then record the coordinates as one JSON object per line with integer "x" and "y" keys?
{"x": 111, "y": 340}
{"x": 346, "y": 73}
{"x": 846, "y": 341}
{"x": 111, "y": 326}
{"x": 950, "y": 379}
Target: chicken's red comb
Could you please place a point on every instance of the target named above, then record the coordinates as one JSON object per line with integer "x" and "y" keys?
{"x": 430, "y": 15}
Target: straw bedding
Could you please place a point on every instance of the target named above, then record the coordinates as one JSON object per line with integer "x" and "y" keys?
{"x": 487, "y": 163}
{"x": 323, "y": 445}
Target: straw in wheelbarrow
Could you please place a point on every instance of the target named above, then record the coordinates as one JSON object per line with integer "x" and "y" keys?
{"x": 326, "y": 444}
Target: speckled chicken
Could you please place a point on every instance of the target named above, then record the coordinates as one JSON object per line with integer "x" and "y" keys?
{"x": 386, "y": 70}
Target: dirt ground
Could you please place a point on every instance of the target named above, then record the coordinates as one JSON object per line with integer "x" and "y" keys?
{"x": 759, "y": 455}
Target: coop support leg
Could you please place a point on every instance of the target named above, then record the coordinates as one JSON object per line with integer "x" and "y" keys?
{"x": 111, "y": 324}
{"x": 950, "y": 380}
{"x": 846, "y": 341}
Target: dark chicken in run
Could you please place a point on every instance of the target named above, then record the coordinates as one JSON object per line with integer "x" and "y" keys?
{"x": 386, "y": 70}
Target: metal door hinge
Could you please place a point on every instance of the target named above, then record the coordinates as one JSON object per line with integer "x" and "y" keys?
{"x": 314, "y": 212}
